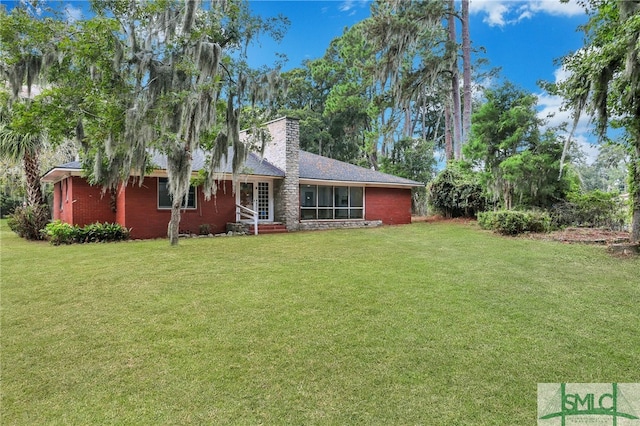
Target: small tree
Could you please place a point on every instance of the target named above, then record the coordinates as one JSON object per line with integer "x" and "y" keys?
{"x": 457, "y": 192}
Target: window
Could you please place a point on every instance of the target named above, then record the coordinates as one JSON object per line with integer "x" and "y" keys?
{"x": 164, "y": 197}
{"x": 331, "y": 202}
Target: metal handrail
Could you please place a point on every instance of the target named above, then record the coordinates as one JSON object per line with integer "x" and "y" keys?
{"x": 247, "y": 213}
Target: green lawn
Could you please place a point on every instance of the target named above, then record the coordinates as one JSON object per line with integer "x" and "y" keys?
{"x": 436, "y": 324}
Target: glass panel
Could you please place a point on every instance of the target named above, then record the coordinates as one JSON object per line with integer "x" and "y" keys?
{"x": 306, "y": 214}
{"x": 325, "y": 213}
{"x": 325, "y": 196}
{"x": 164, "y": 199}
{"x": 246, "y": 194}
{"x": 355, "y": 214}
{"x": 308, "y": 195}
{"x": 191, "y": 198}
{"x": 342, "y": 196}
{"x": 356, "y": 196}
{"x": 342, "y": 213}
{"x": 263, "y": 200}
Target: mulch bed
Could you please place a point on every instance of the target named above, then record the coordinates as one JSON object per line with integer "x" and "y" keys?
{"x": 585, "y": 236}
{"x": 568, "y": 235}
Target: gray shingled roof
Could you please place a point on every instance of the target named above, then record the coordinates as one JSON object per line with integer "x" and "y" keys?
{"x": 254, "y": 164}
{"x": 317, "y": 167}
{"x": 312, "y": 166}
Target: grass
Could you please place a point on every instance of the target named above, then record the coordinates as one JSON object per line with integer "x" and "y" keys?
{"x": 419, "y": 324}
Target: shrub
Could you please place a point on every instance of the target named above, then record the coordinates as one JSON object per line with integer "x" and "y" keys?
{"x": 58, "y": 232}
{"x": 594, "y": 209}
{"x": 456, "y": 192}
{"x": 29, "y": 220}
{"x": 62, "y": 233}
{"x": 8, "y": 205}
{"x": 205, "y": 229}
{"x": 539, "y": 222}
{"x": 485, "y": 220}
{"x": 512, "y": 222}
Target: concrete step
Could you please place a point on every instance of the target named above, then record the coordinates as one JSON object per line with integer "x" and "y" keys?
{"x": 269, "y": 228}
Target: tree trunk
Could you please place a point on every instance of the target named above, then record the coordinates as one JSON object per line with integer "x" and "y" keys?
{"x": 455, "y": 85}
{"x": 466, "y": 73}
{"x": 634, "y": 193}
{"x": 173, "y": 230}
{"x": 448, "y": 141}
{"x": 407, "y": 122}
{"x": 32, "y": 175}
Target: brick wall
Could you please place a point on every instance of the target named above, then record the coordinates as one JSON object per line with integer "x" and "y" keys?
{"x": 146, "y": 220}
{"x": 78, "y": 203}
{"x": 391, "y": 205}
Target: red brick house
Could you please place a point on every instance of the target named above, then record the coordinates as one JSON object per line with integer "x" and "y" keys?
{"x": 288, "y": 187}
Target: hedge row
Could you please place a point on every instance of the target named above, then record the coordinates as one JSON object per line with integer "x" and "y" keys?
{"x": 58, "y": 232}
{"x": 511, "y": 222}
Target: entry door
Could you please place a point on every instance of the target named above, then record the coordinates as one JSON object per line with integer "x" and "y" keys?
{"x": 257, "y": 197}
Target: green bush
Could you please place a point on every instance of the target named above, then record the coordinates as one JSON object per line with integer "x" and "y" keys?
{"x": 486, "y": 220}
{"x": 58, "y": 232}
{"x": 456, "y": 192}
{"x": 595, "y": 209}
{"x": 539, "y": 222}
{"x": 29, "y": 220}
{"x": 512, "y": 222}
{"x": 8, "y": 205}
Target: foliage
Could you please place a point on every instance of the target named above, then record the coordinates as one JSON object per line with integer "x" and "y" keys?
{"x": 204, "y": 229}
{"x": 520, "y": 162}
{"x": 382, "y": 82}
{"x": 28, "y": 53}
{"x": 27, "y": 221}
{"x": 514, "y": 222}
{"x": 608, "y": 173}
{"x": 456, "y": 192}
{"x": 171, "y": 76}
{"x": 411, "y": 159}
{"x": 592, "y": 209}
{"x": 58, "y": 232}
{"x": 8, "y": 204}
{"x": 604, "y": 80}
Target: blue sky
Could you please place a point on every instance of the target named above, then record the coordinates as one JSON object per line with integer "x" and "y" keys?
{"x": 521, "y": 37}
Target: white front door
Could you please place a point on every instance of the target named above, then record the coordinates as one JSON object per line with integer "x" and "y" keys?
{"x": 257, "y": 197}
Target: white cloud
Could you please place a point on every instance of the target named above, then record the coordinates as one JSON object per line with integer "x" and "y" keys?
{"x": 586, "y": 146}
{"x": 555, "y": 7}
{"x": 506, "y": 12}
{"x": 550, "y": 110}
{"x": 346, "y": 6}
{"x": 352, "y": 5}
{"x": 73, "y": 14}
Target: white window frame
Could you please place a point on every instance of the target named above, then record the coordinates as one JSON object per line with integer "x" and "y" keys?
{"x": 332, "y": 208}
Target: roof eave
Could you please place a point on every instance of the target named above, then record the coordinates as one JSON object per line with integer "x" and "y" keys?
{"x": 307, "y": 181}
{"x": 57, "y": 174}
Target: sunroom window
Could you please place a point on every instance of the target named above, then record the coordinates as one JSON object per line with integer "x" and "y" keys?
{"x": 164, "y": 197}
{"x": 323, "y": 202}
